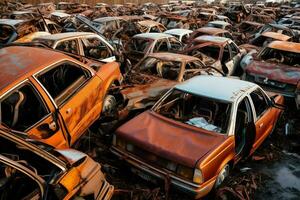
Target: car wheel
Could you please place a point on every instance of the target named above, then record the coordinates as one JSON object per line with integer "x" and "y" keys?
{"x": 109, "y": 105}
{"x": 222, "y": 175}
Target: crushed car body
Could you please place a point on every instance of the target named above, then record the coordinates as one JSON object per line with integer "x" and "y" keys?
{"x": 196, "y": 132}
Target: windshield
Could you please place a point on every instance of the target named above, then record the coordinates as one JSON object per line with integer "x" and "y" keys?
{"x": 139, "y": 44}
{"x": 164, "y": 69}
{"x": 198, "y": 111}
{"x": 6, "y": 33}
{"x": 280, "y": 56}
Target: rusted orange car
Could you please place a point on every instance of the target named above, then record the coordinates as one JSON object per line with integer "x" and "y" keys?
{"x": 51, "y": 96}
{"x": 32, "y": 170}
{"x": 197, "y": 132}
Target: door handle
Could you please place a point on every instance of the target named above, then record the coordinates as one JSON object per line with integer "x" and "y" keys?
{"x": 261, "y": 125}
{"x": 53, "y": 126}
{"x": 69, "y": 111}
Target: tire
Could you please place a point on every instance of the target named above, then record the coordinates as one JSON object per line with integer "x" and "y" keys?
{"x": 222, "y": 175}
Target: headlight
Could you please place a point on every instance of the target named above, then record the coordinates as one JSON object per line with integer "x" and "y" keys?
{"x": 185, "y": 172}
{"x": 198, "y": 178}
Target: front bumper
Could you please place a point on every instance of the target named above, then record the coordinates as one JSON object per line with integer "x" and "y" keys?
{"x": 194, "y": 190}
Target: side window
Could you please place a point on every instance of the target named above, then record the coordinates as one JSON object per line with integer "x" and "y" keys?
{"x": 93, "y": 47}
{"x": 226, "y": 55}
{"x": 63, "y": 80}
{"x": 227, "y": 35}
{"x": 69, "y": 46}
{"x": 234, "y": 49}
{"x": 161, "y": 46}
{"x": 22, "y": 108}
{"x": 260, "y": 102}
{"x": 154, "y": 29}
{"x": 175, "y": 44}
{"x": 185, "y": 38}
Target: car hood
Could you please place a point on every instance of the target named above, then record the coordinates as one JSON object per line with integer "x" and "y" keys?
{"x": 273, "y": 71}
{"x": 140, "y": 96}
{"x": 71, "y": 155}
{"x": 178, "y": 142}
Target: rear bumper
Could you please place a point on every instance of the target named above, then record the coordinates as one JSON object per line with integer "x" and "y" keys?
{"x": 192, "y": 189}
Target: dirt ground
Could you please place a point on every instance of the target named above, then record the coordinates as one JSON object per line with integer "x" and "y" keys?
{"x": 273, "y": 172}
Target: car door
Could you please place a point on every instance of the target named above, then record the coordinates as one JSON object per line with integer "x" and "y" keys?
{"x": 227, "y": 60}
{"x": 244, "y": 132}
{"x": 25, "y": 109}
{"x": 94, "y": 47}
{"x": 76, "y": 92}
{"x": 264, "y": 116}
{"x": 236, "y": 54}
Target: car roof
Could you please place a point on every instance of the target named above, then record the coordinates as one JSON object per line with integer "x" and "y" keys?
{"x": 153, "y": 36}
{"x": 18, "y": 61}
{"x": 106, "y": 19}
{"x": 11, "y": 22}
{"x": 173, "y": 57}
{"x": 178, "y": 31}
{"x": 276, "y": 36}
{"x": 61, "y": 36}
{"x": 215, "y": 87}
{"x": 211, "y": 30}
{"x": 219, "y": 22}
{"x": 148, "y": 23}
{"x": 285, "y": 46}
{"x": 212, "y": 39}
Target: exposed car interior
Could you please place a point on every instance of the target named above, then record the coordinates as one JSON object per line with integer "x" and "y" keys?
{"x": 62, "y": 80}
{"x": 94, "y": 48}
{"x": 22, "y": 108}
{"x": 279, "y": 56}
{"x": 195, "y": 110}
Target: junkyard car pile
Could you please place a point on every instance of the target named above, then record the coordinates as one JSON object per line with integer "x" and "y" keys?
{"x": 185, "y": 90}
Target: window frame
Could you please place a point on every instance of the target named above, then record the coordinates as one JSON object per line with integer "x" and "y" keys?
{"x": 19, "y": 85}
{"x": 82, "y": 46}
{"x": 67, "y": 39}
{"x": 50, "y": 67}
{"x": 257, "y": 117}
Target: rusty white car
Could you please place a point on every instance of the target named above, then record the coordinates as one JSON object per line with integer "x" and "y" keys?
{"x": 194, "y": 135}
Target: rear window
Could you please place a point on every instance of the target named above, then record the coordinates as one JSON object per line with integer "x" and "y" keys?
{"x": 6, "y": 33}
